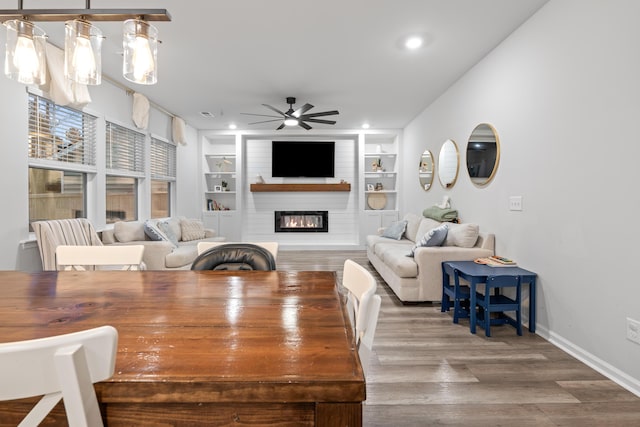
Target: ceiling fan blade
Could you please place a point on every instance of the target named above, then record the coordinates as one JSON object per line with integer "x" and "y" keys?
{"x": 280, "y": 127}
{"x": 274, "y": 109}
{"x": 303, "y": 125}
{"x": 300, "y": 111}
{"x": 327, "y": 122}
{"x": 261, "y": 115}
{"x": 323, "y": 113}
{"x": 265, "y": 121}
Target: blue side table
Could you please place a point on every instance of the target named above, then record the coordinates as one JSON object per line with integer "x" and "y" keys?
{"x": 477, "y": 273}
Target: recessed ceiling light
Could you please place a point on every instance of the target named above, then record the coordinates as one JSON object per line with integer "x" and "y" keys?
{"x": 365, "y": 126}
{"x": 413, "y": 42}
{"x": 233, "y": 126}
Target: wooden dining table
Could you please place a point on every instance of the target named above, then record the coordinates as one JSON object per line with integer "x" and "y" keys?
{"x": 200, "y": 347}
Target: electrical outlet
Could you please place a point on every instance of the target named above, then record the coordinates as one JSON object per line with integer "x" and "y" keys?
{"x": 633, "y": 330}
{"x": 515, "y": 203}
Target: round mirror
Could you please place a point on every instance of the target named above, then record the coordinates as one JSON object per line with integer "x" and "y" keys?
{"x": 448, "y": 163}
{"x": 425, "y": 171}
{"x": 483, "y": 154}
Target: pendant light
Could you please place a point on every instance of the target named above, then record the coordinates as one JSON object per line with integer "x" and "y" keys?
{"x": 82, "y": 52}
{"x": 25, "y": 52}
{"x": 140, "y": 44}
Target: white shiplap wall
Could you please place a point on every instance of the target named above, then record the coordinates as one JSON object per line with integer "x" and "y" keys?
{"x": 259, "y": 208}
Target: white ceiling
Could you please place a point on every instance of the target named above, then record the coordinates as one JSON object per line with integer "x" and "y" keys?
{"x": 230, "y": 56}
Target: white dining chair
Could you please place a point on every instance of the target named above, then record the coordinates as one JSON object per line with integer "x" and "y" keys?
{"x": 270, "y": 246}
{"x": 361, "y": 286}
{"x": 365, "y": 349}
{"x": 59, "y": 367}
{"x": 127, "y": 257}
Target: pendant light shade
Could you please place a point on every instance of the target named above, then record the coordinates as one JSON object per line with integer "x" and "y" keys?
{"x": 140, "y": 43}
{"x": 82, "y": 52}
{"x": 25, "y": 52}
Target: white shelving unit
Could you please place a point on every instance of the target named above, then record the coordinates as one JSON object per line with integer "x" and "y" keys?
{"x": 221, "y": 186}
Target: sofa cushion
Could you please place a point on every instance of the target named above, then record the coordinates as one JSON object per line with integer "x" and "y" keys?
{"x": 128, "y": 231}
{"x": 192, "y": 229}
{"x": 395, "y": 230}
{"x": 434, "y": 237}
{"x": 413, "y": 223}
{"x": 181, "y": 256}
{"x": 152, "y": 230}
{"x": 426, "y": 225}
{"x": 462, "y": 235}
{"x": 395, "y": 257}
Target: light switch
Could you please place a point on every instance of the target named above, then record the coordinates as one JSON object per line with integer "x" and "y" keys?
{"x": 515, "y": 203}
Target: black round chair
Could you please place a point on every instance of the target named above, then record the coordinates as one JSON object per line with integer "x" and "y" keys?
{"x": 235, "y": 256}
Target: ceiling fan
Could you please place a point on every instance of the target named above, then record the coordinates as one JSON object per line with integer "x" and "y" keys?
{"x": 298, "y": 117}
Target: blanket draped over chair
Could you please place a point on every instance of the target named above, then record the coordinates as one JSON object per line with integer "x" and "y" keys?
{"x": 52, "y": 233}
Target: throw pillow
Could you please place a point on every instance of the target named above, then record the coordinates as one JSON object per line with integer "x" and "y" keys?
{"x": 152, "y": 230}
{"x": 434, "y": 237}
{"x": 192, "y": 229}
{"x": 462, "y": 235}
{"x": 128, "y": 231}
{"x": 395, "y": 230}
{"x": 166, "y": 228}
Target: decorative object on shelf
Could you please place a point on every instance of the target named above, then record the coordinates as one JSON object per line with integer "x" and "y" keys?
{"x": 223, "y": 164}
{"x": 379, "y": 186}
{"x": 25, "y": 58}
{"x": 370, "y": 187}
{"x": 225, "y": 185}
{"x": 209, "y": 204}
{"x": 259, "y": 179}
{"x": 377, "y": 165}
{"x": 217, "y": 188}
{"x": 378, "y": 148}
{"x": 376, "y": 201}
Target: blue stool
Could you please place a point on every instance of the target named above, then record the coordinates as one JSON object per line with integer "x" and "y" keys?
{"x": 455, "y": 295}
{"x": 493, "y": 301}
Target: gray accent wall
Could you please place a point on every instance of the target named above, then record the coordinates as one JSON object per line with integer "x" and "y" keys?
{"x": 563, "y": 92}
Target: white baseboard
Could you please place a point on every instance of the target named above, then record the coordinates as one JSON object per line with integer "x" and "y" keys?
{"x": 611, "y": 372}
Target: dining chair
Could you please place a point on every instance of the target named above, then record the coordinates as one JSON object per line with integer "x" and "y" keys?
{"x": 270, "y": 246}
{"x": 59, "y": 367}
{"x": 81, "y": 258}
{"x": 365, "y": 348}
{"x": 235, "y": 256}
{"x": 360, "y": 285}
{"x": 494, "y": 301}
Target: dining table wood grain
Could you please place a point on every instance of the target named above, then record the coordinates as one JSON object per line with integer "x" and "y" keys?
{"x": 200, "y": 347}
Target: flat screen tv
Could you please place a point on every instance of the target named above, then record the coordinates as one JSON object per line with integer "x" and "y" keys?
{"x": 303, "y": 159}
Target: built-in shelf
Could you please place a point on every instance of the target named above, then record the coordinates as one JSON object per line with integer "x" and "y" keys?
{"x": 300, "y": 187}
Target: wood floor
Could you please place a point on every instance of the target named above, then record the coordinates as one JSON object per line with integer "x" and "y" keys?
{"x": 427, "y": 371}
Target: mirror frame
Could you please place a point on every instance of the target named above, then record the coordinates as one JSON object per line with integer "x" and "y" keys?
{"x": 488, "y": 179}
{"x": 440, "y": 160}
{"x": 424, "y": 182}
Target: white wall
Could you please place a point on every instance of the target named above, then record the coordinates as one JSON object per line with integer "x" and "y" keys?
{"x": 563, "y": 92}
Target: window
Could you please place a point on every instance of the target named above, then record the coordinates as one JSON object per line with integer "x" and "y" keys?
{"x": 61, "y": 152}
{"x": 125, "y": 164}
{"x": 163, "y": 173}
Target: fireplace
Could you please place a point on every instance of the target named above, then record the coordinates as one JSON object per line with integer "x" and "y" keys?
{"x": 302, "y": 221}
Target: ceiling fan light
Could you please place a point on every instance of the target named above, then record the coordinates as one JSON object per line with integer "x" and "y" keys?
{"x": 413, "y": 42}
{"x": 82, "y": 52}
{"x": 290, "y": 122}
{"x": 140, "y": 44}
{"x": 25, "y": 52}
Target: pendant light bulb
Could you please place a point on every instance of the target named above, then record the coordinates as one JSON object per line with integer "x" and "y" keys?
{"x": 140, "y": 44}
{"x": 25, "y": 52}
{"x": 82, "y": 52}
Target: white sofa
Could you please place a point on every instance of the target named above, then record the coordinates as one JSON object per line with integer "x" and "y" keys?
{"x": 419, "y": 278}
{"x": 163, "y": 254}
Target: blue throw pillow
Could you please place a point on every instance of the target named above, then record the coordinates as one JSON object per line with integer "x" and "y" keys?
{"x": 395, "y": 230}
{"x": 434, "y": 237}
{"x": 151, "y": 229}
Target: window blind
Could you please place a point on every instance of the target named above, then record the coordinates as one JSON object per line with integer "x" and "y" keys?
{"x": 163, "y": 160}
{"x": 61, "y": 134}
{"x": 124, "y": 151}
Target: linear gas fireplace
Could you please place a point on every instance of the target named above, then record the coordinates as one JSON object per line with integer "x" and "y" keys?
{"x": 302, "y": 221}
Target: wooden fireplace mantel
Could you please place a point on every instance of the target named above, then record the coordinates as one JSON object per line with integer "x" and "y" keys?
{"x": 300, "y": 187}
